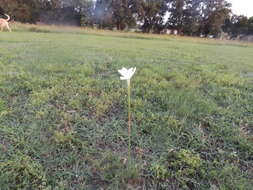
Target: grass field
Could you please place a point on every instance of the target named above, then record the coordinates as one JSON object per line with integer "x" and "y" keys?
{"x": 63, "y": 111}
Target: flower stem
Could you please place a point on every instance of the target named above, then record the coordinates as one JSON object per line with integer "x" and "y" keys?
{"x": 129, "y": 119}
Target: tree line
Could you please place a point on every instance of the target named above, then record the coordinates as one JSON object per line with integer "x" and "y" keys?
{"x": 188, "y": 17}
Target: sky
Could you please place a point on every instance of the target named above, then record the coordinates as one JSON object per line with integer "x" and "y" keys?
{"x": 244, "y": 7}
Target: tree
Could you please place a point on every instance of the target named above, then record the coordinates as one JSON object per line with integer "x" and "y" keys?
{"x": 151, "y": 15}
{"x": 177, "y": 14}
{"x": 66, "y": 11}
{"x": 84, "y": 10}
{"x": 192, "y": 17}
{"x": 240, "y": 25}
{"x": 214, "y": 13}
{"x": 123, "y": 14}
{"x": 21, "y": 10}
{"x": 185, "y": 16}
{"x": 115, "y": 13}
{"x": 103, "y": 13}
{"x": 250, "y": 26}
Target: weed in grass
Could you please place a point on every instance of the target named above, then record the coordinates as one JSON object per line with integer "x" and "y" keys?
{"x": 126, "y": 74}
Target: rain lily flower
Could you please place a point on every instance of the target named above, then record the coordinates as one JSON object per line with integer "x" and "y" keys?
{"x": 126, "y": 74}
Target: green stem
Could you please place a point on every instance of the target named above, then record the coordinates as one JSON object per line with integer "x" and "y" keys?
{"x": 129, "y": 119}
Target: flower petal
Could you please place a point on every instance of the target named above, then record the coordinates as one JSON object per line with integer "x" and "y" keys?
{"x": 123, "y": 71}
{"x": 132, "y": 71}
{"x": 123, "y": 78}
{"x": 126, "y": 74}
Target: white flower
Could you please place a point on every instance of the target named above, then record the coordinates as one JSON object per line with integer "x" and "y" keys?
{"x": 126, "y": 74}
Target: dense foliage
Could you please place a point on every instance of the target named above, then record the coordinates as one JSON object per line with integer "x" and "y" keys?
{"x": 189, "y": 17}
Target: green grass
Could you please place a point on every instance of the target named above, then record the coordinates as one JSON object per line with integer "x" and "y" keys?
{"x": 63, "y": 111}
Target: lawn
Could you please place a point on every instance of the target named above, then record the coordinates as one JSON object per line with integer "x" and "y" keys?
{"x": 63, "y": 111}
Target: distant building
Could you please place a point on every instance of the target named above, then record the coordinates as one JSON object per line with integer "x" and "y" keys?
{"x": 210, "y": 36}
{"x": 169, "y": 31}
{"x": 175, "y": 32}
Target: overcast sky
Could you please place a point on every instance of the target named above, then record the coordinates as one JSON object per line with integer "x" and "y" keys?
{"x": 244, "y": 7}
